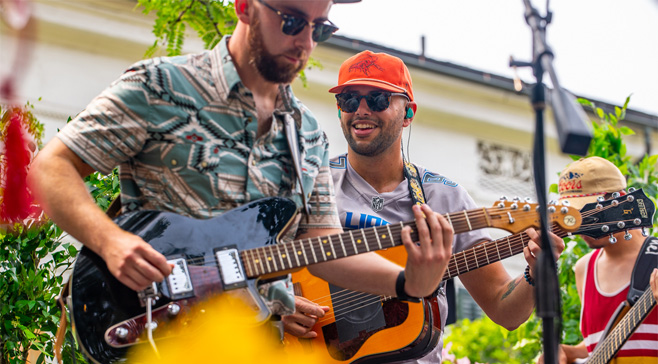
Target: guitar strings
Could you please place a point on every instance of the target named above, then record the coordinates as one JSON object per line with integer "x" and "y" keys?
{"x": 339, "y": 305}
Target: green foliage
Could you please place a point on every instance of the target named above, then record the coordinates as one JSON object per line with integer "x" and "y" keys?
{"x": 34, "y": 263}
{"x": 210, "y": 19}
{"x": 608, "y": 143}
{"x": 501, "y": 346}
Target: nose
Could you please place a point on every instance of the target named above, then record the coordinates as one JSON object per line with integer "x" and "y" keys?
{"x": 363, "y": 109}
{"x": 304, "y": 41}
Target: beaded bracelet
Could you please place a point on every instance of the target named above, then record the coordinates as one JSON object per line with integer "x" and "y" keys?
{"x": 528, "y": 278}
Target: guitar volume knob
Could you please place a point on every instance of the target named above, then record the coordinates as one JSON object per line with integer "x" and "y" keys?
{"x": 122, "y": 333}
{"x": 173, "y": 309}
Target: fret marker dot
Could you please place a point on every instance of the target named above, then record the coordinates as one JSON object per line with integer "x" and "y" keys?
{"x": 283, "y": 255}
{"x": 299, "y": 252}
{"x": 269, "y": 258}
{"x": 383, "y": 236}
{"x": 256, "y": 261}
{"x": 324, "y": 241}
{"x": 358, "y": 241}
{"x": 328, "y": 254}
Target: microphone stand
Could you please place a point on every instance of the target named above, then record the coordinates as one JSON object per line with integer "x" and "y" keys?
{"x": 574, "y": 135}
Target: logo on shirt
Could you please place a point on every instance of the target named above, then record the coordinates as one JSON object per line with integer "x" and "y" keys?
{"x": 377, "y": 203}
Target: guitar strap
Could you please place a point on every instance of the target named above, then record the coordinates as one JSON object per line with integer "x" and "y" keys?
{"x": 415, "y": 186}
{"x": 292, "y": 135}
{"x": 646, "y": 261}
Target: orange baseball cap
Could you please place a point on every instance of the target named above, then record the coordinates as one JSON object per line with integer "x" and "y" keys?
{"x": 379, "y": 70}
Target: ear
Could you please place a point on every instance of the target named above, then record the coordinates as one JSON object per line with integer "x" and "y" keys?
{"x": 407, "y": 121}
{"x": 242, "y": 10}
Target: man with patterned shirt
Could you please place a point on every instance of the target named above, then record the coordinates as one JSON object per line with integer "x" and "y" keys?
{"x": 375, "y": 102}
{"x": 204, "y": 133}
{"x": 603, "y": 276}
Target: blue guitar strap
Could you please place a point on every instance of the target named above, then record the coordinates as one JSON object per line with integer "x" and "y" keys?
{"x": 646, "y": 261}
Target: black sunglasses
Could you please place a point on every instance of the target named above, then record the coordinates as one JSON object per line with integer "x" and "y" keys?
{"x": 377, "y": 100}
{"x": 292, "y": 25}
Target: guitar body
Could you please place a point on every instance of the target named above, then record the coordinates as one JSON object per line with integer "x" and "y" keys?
{"x": 363, "y": 328}
{"x": 99, "y": 302}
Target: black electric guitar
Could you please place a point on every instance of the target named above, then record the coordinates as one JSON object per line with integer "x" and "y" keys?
{"x": 411, "y": 330}
{"x": 108, "y": 318}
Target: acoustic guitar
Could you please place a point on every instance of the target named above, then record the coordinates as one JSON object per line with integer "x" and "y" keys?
{"x": 385, "y": 329}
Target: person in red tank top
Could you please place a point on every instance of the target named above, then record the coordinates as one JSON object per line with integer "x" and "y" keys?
{"x": 603, "y": 276}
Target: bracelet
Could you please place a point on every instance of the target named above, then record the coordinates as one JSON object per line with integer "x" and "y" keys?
{"x": 528, "y": 278}
{"x": 399, "y": 289}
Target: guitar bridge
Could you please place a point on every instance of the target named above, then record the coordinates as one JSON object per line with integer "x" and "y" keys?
{"x": 149, "y": 292}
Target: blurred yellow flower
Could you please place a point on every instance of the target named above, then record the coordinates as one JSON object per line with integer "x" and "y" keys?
{"x": 224, "y": 331}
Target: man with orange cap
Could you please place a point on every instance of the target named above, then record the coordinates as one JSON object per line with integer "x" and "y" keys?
{"x": 375, "y": 185}
{"x": 603, "y": 276}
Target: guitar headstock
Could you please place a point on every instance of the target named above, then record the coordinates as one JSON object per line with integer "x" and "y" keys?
{"x": 515, "y": 216}
{"x": 632, "y": 211}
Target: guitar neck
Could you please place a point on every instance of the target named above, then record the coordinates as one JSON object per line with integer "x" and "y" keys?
{"x": 607, "y": 349}
{"x": 490, "y": 252}
{"x": 301, "y": 253}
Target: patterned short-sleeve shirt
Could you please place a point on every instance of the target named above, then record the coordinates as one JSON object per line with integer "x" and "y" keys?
{"x": 183, "y": 131}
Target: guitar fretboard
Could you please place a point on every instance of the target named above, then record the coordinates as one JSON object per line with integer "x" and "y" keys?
{"x": 300, "y": 253}
{"x": 623, "y": 331}
{"x": 490, "y": 252}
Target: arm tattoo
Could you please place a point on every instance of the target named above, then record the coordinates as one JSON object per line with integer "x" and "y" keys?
{"x": 510, "y": 287}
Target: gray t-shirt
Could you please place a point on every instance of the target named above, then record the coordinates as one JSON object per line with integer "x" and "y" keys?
{"x": 361, "y": 206}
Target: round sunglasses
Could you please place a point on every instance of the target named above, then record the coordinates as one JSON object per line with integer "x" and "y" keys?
{"x": 293, "y": 24}
{"x": 377, "y": 100}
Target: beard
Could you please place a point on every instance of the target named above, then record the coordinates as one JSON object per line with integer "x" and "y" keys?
{"x": 272, "y": 67}
{"x": 387, "y": 136}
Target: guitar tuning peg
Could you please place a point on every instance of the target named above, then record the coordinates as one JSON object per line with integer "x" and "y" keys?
{"x": 517, "y": 198}
{"x": 551, "y": 209}
{"x": 566, "y": 203}
{"x": 631, "y": 189}
{"x": 645, "y": 233}
{"x": 615, "y": 194}
{"x": 600, "y": 199}
{"x": 630, "y": 198}
{"x": 612, "y": 239}
{"x": 627, "y": 236}
{"x": 564, "y": 210}
{"x": 599, "y": 206}
{"x": 527, "y": 199}
{"x": 503, "y": 198}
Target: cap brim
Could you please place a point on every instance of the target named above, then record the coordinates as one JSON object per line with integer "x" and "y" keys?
{"x": 579, "y": 202}
{"x": 366, "y": 82}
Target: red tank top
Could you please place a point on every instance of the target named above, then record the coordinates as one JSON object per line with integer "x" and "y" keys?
{"x": 598, "y": 308}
